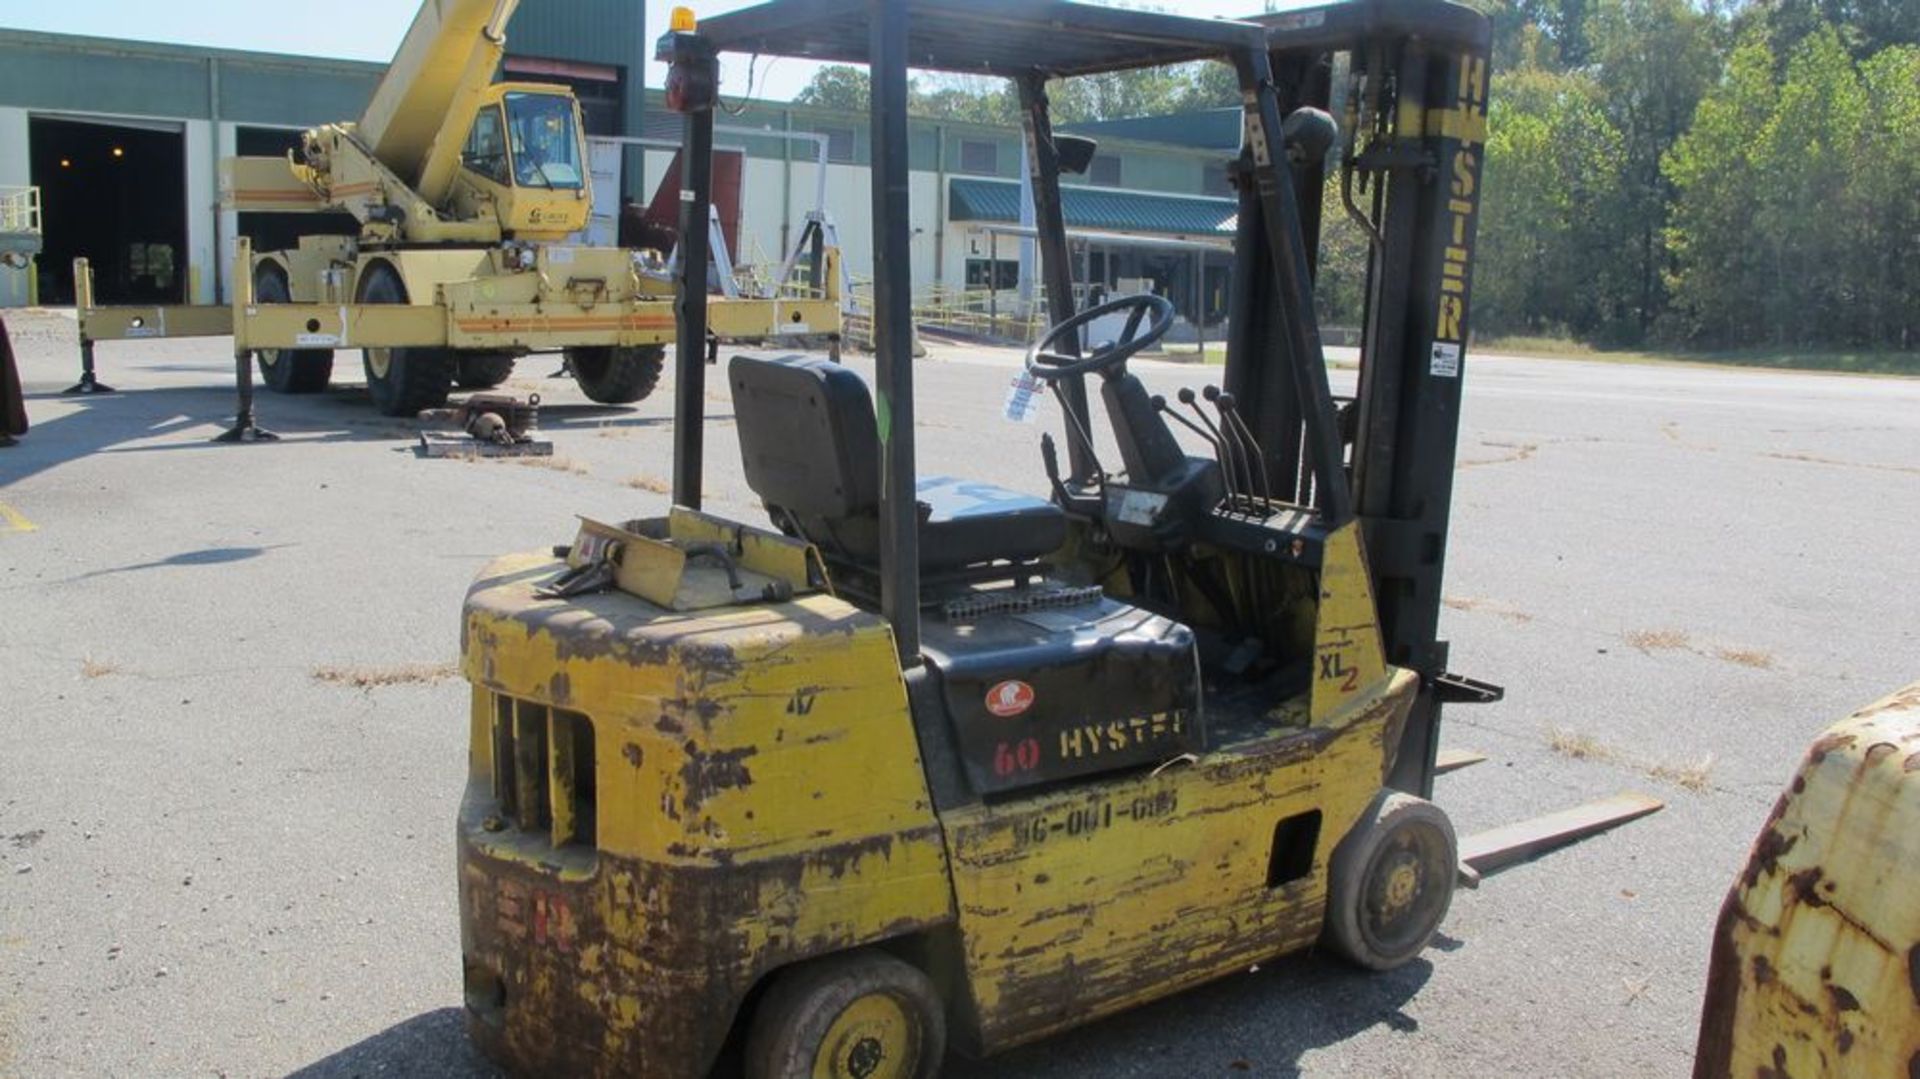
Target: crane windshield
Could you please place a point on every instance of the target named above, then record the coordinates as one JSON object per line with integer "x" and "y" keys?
{"x": 546, "y": 144}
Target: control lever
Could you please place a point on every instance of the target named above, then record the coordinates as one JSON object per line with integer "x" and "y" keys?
{"x": 1230, "y": 418}
{"x": 1050, "y": 461}
{"x": 1235, "y": 452}
{"x": 1160, "y": 405}
{"x": 1220, "y": 451}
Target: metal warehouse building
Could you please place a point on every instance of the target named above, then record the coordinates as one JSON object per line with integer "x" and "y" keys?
{"x": 123, "y": 140}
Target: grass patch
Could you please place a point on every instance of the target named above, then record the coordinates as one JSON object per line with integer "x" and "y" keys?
{"x": 1832, "y": 361}
{"x": 1807, "y": 458}
{"x": 1695, "y": 775}
{"x": 1580, "y": 747}
{"x": 1511, "y": 452}
{"x": 1746, "y": 657}
{"x": 1487, "y": 606}
{"x": 649, "y": 484}
{"x": 549, "y": 464}
{"x": 1660, "y": 640}
{"x": 409, "y": 674}
{"x": 1649, "y": 641}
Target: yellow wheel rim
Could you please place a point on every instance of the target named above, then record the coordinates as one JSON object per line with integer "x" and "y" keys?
{"x": 874, "y": 1038}
{"x": 268, "y": 356}
{"x": 1403, "y": 886}
{"x": 379, "y": 361}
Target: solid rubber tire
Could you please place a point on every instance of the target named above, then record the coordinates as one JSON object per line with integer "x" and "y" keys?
{"x": 416, "y": 378}
{"x": 1355, "y": 860}
{"x": 617, "y": 376}
{"x": 288, "y": 370}
{"x": 803, "y": 1002}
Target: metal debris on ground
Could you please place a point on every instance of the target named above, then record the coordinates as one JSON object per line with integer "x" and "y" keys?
{"x": 496, "y": 425}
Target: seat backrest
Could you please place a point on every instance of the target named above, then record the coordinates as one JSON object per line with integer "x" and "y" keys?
{"x": 808, "y": 441}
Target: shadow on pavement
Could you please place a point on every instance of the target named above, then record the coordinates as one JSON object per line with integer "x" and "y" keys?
{"x": 1255, "y": 1024}
{"x": 434, "y": 1044}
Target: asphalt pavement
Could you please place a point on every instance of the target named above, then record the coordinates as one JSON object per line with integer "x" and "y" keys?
{"x": 220, "y": 856}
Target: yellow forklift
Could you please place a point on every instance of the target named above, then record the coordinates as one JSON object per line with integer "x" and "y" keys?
{"x": 921, "y": 762}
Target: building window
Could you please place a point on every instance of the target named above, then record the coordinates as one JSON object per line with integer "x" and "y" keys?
{"x": 980, "y": 156}
{"x": 1005, "y": 274}
{"x": 1215, "y": 181}
{"x": 839, "y": 144}
{"x": 1105, "y": 170}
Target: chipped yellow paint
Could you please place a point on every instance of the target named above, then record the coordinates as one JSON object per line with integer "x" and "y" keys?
{"x": 703, "y": 721}
{"x": 760, "y": 800}
{"x": 11, "y": 520}
{"x": 1348, "y": 662}
{"x": 1078, "y": 903}
{"x": 1816, "y": 963}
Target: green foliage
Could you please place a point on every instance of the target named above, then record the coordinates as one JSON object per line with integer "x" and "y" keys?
{"x": 1723, "y": 174}
{"x": 1798, "y": 216}
{"x": 1555, "y": 192}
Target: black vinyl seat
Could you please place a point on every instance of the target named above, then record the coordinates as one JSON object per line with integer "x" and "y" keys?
{"x": 811, "y": 450}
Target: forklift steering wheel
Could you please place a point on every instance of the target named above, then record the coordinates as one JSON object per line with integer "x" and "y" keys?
{"x": 1048, "y": 365}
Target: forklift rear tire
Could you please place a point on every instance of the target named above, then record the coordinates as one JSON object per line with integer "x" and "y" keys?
{"x": 862, "y": 1015}
{"x": 483, "y": 370}
{"x": 617, "y": 376}
{"x": 1391, "y": 882}
{"x": 288, "y": 370}
{"x": 402, "y": 381}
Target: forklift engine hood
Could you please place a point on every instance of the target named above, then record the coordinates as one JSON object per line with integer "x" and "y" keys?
{"x": 1038, "y": 696}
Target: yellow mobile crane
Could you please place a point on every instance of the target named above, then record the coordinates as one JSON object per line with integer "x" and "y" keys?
{"x": 466, "y": 192}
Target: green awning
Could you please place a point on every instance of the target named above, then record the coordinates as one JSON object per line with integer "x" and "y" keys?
{"x": 1099, "y": 208}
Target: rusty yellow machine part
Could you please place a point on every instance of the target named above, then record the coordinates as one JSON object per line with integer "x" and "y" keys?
{"x": 673, "y": 797}
{"x": 1816, "y": 962}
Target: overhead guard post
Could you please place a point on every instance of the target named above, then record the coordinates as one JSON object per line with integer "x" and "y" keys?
{"x": 893, "y": 328}
{"x": 692, "y": 87}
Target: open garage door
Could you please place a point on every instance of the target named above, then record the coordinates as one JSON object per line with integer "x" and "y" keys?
{"x": 282, "y": 232}
{"x": 115, "y": 193}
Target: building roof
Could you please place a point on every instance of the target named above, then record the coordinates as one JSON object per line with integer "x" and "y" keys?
{"x": 1201, "y": 129}
{"x": 1099, "y": 208}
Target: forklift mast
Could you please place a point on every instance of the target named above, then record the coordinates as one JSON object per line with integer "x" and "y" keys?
{"x": 1413, "y": 122}
{"x": 1415, "y": 94}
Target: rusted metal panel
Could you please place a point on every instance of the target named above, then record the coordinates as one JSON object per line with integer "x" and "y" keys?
{"x": 1089, "y": 900}
{"x": 1816, "y": 959}
{"x": 630, "y": 955}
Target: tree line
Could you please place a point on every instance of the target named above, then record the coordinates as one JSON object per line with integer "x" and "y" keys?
{"x": 1700, "y": 173}
{"x": 1659, "y": 171}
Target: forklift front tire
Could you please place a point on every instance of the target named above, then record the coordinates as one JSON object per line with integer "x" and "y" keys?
{"x": 862, "y": 1015}
{"x": 1391, "y": 882}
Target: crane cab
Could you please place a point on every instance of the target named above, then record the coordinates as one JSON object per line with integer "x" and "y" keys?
{"x": 525, "y": 163}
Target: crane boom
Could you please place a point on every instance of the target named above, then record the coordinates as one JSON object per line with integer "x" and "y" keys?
{"x": 420, "y": 112}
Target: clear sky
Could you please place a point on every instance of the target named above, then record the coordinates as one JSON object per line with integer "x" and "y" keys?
{"x": 371, "y": 29}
